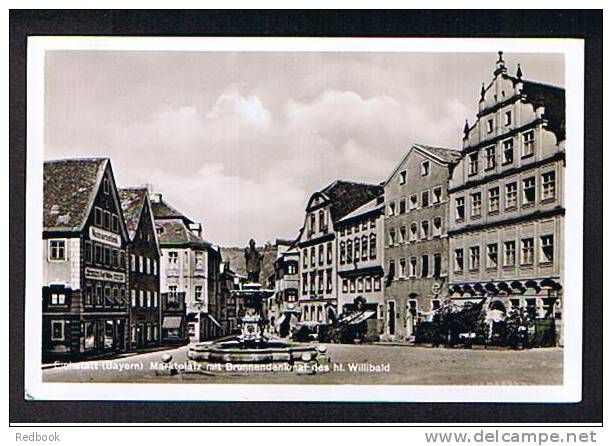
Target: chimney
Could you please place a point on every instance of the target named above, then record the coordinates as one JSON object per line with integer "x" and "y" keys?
{"x": 196, "y": 228}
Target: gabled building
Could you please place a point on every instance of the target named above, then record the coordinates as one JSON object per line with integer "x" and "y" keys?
{"x": 143, "y": 269}
{"x": 507, "y": 193}
{"x": 317, "y": 245}
{"x": 85, "y": 239}
{"x": 416, "y": 240}
{"x": 190, "y": 265}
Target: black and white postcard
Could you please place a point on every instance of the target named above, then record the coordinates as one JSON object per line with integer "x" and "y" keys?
{"x": 297, "y": 219}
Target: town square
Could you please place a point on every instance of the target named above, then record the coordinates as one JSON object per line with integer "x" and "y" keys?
{"x": 446, "y": 268}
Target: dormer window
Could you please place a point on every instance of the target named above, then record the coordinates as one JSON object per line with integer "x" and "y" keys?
{"x": 425, "y": 168}
{"x": 402, "y": 177}
{"x": 106, "y": 186}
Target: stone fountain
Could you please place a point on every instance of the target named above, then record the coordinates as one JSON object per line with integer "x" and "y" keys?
{"x": 252, "y": 346}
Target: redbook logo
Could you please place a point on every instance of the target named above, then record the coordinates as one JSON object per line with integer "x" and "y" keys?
{"x": 36, "y": 437}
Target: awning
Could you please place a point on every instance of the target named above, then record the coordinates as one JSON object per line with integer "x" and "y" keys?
{"x": 210, "y": 316}
{"x": 362, "y": 317}
{"x": 172, "y": 322}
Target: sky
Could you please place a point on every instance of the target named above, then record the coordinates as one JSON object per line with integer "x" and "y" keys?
{"x": 239, "y": 141}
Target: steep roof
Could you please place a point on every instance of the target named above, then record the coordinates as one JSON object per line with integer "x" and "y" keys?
{"x": 163, "y": 210}
{"x": 69, "y": 188}
{"x": 345, "y": 196}
{"x": 173, "y": 232}
{"x": 132, "y": 204}
{"x": 370, "y": 206}
{"x": 441, "y": 155}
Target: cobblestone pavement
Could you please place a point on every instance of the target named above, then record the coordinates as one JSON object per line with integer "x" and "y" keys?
{"x": 398, "y": 365}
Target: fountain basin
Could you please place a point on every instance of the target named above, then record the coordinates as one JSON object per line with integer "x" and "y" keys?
{"x": 261, "y": 352}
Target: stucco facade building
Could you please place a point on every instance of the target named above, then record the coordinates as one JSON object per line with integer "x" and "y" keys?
{"x": 189, "y": 265}
{"x": 85, "y": 240}
{"x": 317, "y": 245}
{"x": 360, "y": 260}
{"x": 507, "y": 217}
{"x": 416, "y": 239}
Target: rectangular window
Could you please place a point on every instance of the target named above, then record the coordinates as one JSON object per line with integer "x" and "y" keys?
{"x": 494, "y": 199}
{"x": 491, "y": 162}
{"x": 424, "y": 265}
{"x": 141, "y": 298}
{"x": 508, "y": 118}
{"x": 372, "y": 246}
{"x": 98, "y": 254}
{"x": 437, "y": 194}
{"x": 133, "y": 298}
{"x": 548, "y": 186}
{"x": 115, "y": 221}
{"x": 413, "y": 267}
{"x": 155, "y": 267}
{"x": 490, "y": 126}
{"x": 57, "y": 249}
{"x": 529, "y": 191}
{"x": 437, "y": 272}
{"x": 172, "y": 259}
{"x": 198, "y": 293}
{"x": 474, "y": 257}
{"x": 402, "y": 207}
{"x": 459, "y": 208}
{"x": 115, "y": 258}
{"x": 476, "y": 204}
{"x": 98, "y": 217}
{"x": 391, "y": 236}
{"x": 414, "y": 232}
{"x": 424, "y": 229}
{"x": 510, "y": 253}
{"x": 402, "y": 267}
{"x": 368, "y": 284}
{"x": 547, "y": 249}
{"x": 511, "y": 195}
{"x": 58, "y": 299}
{"x": 88, "y": 251}
{"x": 492, "y": 254}
{"x": 527, "y": 251}
{"x": 349, "y": 251}
{"x": 437, "y": 226}
{"x": 345, "y": 285}
{"x": 304, "y": 283}
{"x": 305, "y": 258}
{"x": 329, "y": 253}
{"x": 402, "y": 234}
{"x": 402, "y": 177}
{"x": 414, "y": 202}
{"x": 321, "y": 257}
{"x": 377, "y": 284}
{"x": 473, "y": 164}
{"x": 528, "y": 144}
{"x": 199, "y": 259}
{"x": 352, "y": 285}
{"x": 425, "y": 168}
{"x": 57, "y": 330}
{"x": 508, "y": 151}
{"x": 425, "y": 198}
{"x": 391, "y": 208}
{"x": 107, "y": 220}
{"x": 107, "y": 256}
{"x": 458, "y": 260}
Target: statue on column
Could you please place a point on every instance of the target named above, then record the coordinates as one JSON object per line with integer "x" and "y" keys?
{"x": 253, "y": 261}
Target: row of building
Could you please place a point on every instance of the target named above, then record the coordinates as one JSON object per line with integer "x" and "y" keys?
{"x": 460, "y": 225}
{"x": 123, "y": 269}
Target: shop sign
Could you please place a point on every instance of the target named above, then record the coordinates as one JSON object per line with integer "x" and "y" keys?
{"x": 106, "y": 237}
{"x": 102, "y": 274}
